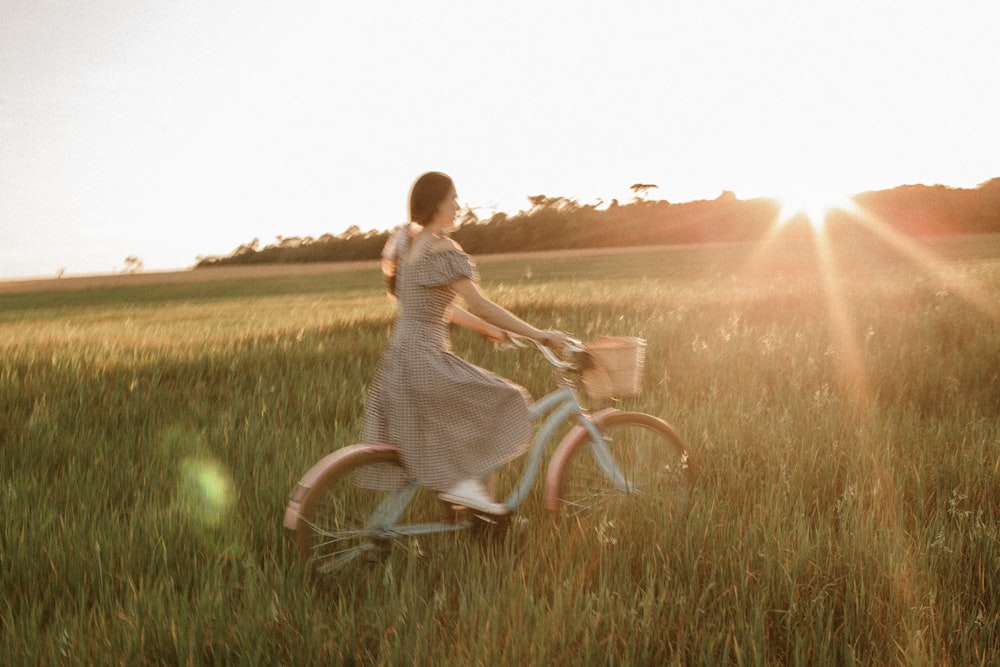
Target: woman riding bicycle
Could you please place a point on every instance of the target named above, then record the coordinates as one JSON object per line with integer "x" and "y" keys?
{"x": 453, "y": 422}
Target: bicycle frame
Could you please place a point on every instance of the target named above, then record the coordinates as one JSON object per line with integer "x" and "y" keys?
{"x": 553, "y": 409}
{"x": 560, "y": 405}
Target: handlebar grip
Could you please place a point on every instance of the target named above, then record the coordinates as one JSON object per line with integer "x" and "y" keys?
{"x": 547, "y": 352}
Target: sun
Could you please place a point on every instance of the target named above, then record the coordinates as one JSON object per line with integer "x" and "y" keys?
{"x": 814, "y": 204}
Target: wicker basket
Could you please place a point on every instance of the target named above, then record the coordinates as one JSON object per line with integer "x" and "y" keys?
{"x": 615, "y": 367}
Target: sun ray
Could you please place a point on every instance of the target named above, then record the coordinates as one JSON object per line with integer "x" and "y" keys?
{"x": 815, "y": 210}
{"x": 952, "y": 279}
{"x": 801, "y": 204}
{"x": 842, "y": 324}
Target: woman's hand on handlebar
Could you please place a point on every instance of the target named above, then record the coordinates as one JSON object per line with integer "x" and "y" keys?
{"x": 557, "y": 340}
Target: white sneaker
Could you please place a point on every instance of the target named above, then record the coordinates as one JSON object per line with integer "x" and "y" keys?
{"x": 472, "y": 494}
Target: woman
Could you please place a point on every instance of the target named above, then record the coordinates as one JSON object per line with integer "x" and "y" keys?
{"x": 453, "y": 422}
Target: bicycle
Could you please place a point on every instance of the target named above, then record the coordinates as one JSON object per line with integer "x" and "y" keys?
{"x": 606, "y": 459}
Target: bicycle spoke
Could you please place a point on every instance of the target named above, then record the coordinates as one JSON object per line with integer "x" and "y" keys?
{"x": 638, "y": 459}
{"x": 343, "y": 520}
{"x": 339, "y": 559}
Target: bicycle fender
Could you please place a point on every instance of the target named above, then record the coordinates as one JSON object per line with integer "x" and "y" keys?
{"x": 301, "y": 490}
{"x": 561, "y": 455}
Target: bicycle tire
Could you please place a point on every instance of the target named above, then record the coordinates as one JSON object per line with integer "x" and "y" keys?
{"x": 331, "y": 512}
{"x": 652, "y": 459}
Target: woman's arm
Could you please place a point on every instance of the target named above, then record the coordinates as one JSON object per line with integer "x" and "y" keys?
{"x": 498, "y": 316}
{"x": 466, "y": 319}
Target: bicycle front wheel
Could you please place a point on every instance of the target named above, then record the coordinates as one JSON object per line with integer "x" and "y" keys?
{"x": 639, "y": 461}
{"x": 341, "y": 519}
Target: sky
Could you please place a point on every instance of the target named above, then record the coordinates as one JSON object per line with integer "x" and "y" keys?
{"x": 168, "y": 130}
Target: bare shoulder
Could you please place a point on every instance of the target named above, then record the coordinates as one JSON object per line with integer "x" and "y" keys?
{"x": 446, "y": 244}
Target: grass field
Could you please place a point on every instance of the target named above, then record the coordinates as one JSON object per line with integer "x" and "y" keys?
{"x": 841, "y": 404}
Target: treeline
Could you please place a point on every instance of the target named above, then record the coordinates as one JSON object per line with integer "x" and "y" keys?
{"x": 559, "y": 223}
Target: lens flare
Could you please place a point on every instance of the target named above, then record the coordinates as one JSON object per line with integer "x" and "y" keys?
{"x": 206, "y": 490}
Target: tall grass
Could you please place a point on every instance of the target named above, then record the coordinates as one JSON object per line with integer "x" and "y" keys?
{"x": 844, "y": 423}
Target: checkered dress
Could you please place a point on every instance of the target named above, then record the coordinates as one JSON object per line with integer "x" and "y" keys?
{"x": 450, "y": 419}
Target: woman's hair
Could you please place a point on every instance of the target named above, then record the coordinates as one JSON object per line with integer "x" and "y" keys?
{"x": 427, "y": 194}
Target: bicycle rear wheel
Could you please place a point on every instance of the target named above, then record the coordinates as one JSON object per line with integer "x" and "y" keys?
{"x": 339, "y": 520}
{"x": 640, "y": 462}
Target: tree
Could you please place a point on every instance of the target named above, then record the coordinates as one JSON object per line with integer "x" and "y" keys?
{"x": 558, "y": 203}
{"x": 132, "y": 264}
{"x": 468, "y": 217}
{"x": 641, "y": 189}
{"x": 247, "y": 248}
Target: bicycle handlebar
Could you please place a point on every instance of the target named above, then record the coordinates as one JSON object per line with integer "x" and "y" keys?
{"x": 521, "y": 342}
